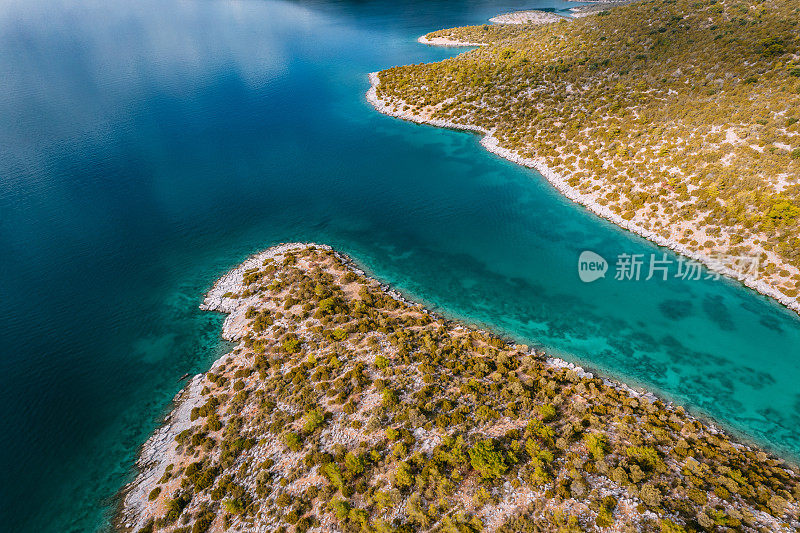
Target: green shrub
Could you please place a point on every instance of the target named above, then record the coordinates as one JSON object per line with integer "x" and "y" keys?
{"x": 650, "y": 495}
{"x": 234, "y": 507}
{"x": 354, "y": 463}
{"x": 389, "y": 397}
{"x": 596, "y": 444}
{"x": 283, "y": 500}
{"x": 772, "y": 47}
{"x": 777, "y": 505}
{"x": 547, "y": 412}
{"x": 489, "y": 463}
{"x": 604, "y": 518}
{"x": 403, "y": 476}
{"x": 340, "y": 509}
{"x": 334, "y": 475}
{"x": 783, "y": 210}
{"x": 203, "y": 521}
{"x": 313, "y": 419}
{"x": 213, "y": 422}
{"x": 291, "y": 346}
{"x": 292, "y": 441}
{"x": 645, "y": 456}
{"x": 175, "y": 507}
{"x": 668, "y": 526}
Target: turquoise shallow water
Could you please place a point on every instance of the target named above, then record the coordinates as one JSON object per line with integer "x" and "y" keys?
{"x": 147, "y": 147}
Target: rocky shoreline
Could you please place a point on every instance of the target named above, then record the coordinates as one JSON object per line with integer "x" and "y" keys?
{"x": 442, "y": 41}
{"x": 158, "y": 452}
{"x": 154, "y": 457}
{"x": 526, "y": 17}
{"x": 491, "y": 143}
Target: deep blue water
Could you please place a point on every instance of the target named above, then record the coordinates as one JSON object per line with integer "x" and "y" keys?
{"x": 146, "y": 147}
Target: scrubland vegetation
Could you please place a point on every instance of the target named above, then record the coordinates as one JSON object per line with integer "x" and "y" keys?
{"x": 344, "y": 408}
{"x": 682, "y": 116}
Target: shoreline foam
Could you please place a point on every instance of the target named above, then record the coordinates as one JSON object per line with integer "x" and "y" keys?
{"x": 491, "y": 143}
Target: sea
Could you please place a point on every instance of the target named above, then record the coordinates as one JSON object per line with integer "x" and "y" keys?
{"x": 146, "y": 147}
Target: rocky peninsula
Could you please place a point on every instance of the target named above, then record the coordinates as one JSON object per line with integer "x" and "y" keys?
{"x": 345, "y": 407}
{"x": 639, "y": 141}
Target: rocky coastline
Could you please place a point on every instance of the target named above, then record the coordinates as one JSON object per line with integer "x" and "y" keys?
{"x": 526, "y": 17}
{"x": 442, "y": 41}
{"x": 491, "y": 143}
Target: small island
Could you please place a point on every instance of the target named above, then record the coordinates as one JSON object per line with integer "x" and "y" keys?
{"x": 345, "y": 407}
